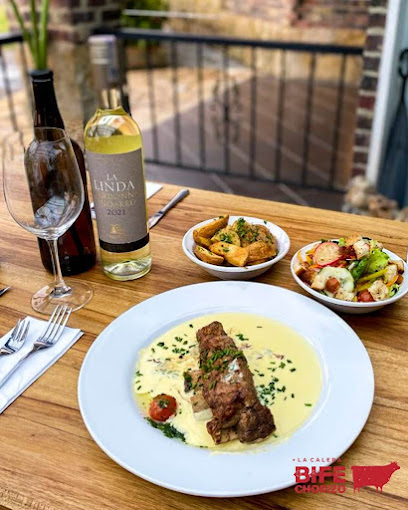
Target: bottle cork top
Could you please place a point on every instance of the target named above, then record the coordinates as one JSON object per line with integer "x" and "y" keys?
{"x": 104, "y": 56}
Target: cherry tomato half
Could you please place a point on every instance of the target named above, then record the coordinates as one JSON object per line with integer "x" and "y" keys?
{"x": 365, "y": 297}
{"x": 162, "y": 407}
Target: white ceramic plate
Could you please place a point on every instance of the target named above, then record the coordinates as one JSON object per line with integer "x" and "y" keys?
{"x": 116, "y": 424}
{"x": 238, "y": 273}
{"x": 349, "y": 306}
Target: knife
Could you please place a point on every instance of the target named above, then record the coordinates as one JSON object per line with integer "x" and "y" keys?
{"x": 175, "y": 200}
{"x": 3, "y": 291}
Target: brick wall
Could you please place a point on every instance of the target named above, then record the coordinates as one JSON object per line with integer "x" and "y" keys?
{"x": 278, "y": 11}
{"x": 368, "y": 87}
{"x": 310, "y": 13}
{"x": 332, "y": 13}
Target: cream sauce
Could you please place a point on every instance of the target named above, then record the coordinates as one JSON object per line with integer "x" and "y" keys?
{"x": 286, "y": 371}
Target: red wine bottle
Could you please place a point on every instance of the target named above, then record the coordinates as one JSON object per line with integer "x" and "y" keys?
{"x": 76, "y": 248}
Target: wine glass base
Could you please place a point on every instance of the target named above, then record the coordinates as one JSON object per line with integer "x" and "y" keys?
{"x": 45, "y": 300}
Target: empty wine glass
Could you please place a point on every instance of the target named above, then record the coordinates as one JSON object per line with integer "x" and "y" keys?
{"x": 44, "y": 194}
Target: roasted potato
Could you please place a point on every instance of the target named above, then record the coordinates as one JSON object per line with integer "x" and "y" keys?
{"x": 207, "y": 256}
{"x": 235, "y": 255}
{"x": 211, "y": 228}
{"x": 260, "y": 250}
{"x": 250, "y": 233}
{"x": 202, "y": 241}
{"x": 240, "y": 244}
{"x": 228, "y": 235}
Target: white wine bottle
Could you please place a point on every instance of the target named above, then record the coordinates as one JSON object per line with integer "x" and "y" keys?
{"x": 114, "y": 154}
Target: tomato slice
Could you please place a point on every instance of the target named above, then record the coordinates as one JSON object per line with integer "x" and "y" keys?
{"x": 365, "y": 297}
{"x": 162, "y": 407}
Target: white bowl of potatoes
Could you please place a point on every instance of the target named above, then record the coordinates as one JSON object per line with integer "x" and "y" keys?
{"x": 235, "y": 247}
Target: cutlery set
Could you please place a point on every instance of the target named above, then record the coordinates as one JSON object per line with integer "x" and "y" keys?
{"x": 49, "y": 337}
{"x": 59, "y": 318}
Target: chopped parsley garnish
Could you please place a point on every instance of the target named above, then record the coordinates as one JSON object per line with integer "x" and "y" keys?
{"x": 282, "y": 365}
{"x": 240, "y": 336}
{"x": 191, "y": 326}
{"x": 179, "y": 350}
{"x": 240, "y": 228}
{"x": 212, "y": 384}
{"x": 160, "y": 344}
{"x": 163, "y": 403}
{"x": 167, "y": 429}
{"x": 308, "y": 405}
{"x": 226, "y": 237}
{"x": 214, "y": 362}
{"x": 293, "y": 369}
{"x": 188, "y": 381}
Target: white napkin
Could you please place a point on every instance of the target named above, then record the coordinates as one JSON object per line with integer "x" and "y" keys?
{"x": 35, "y": 365}
{"x": 152, "y": 188}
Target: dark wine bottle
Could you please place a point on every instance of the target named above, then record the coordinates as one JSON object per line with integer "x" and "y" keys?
{"x": 76, "y": 248}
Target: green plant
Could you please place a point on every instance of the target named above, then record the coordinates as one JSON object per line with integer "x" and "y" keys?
{"x": 36, "y": 34}
{"x": 145, "y": 21}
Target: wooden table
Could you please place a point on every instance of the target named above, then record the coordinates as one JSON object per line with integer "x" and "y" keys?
{"x": 49, "y": 461}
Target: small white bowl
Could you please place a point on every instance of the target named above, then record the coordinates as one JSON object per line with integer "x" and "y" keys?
{"x": 350, "y": 306}
{"x": 238, "y": 273}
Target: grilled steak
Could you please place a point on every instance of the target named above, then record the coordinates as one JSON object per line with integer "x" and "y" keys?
{"x": 229, "y": 390}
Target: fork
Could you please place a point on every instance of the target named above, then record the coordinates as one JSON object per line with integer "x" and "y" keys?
{"x": 52, "y": 333}
{"x": 16, "y": 339}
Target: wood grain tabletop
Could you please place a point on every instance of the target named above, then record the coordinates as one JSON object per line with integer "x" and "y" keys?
{"x": 48, "y": 460}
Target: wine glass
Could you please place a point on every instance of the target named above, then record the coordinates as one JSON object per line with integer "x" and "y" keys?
{"x": 44, "y": 194}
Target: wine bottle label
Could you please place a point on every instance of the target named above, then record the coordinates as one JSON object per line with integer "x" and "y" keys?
{"x": 118, "y": 189}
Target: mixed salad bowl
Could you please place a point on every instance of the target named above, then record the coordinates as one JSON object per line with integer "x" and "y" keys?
{"x": 354, "y": 274}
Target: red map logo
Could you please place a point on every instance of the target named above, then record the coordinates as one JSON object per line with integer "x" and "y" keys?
{"x": 377, "y": 476}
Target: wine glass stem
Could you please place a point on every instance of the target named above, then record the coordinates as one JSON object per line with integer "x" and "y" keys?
{"x": 60, "y": 287}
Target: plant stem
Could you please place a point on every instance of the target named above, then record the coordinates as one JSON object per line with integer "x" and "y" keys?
{"x": 43, "y": 33}
{"x": 26, "y": 34}
{"x": 36, "y": 47}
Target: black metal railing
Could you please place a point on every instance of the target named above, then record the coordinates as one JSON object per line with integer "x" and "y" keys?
{"x": 5, "y": 83}
{"x": 244, "y": 158}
